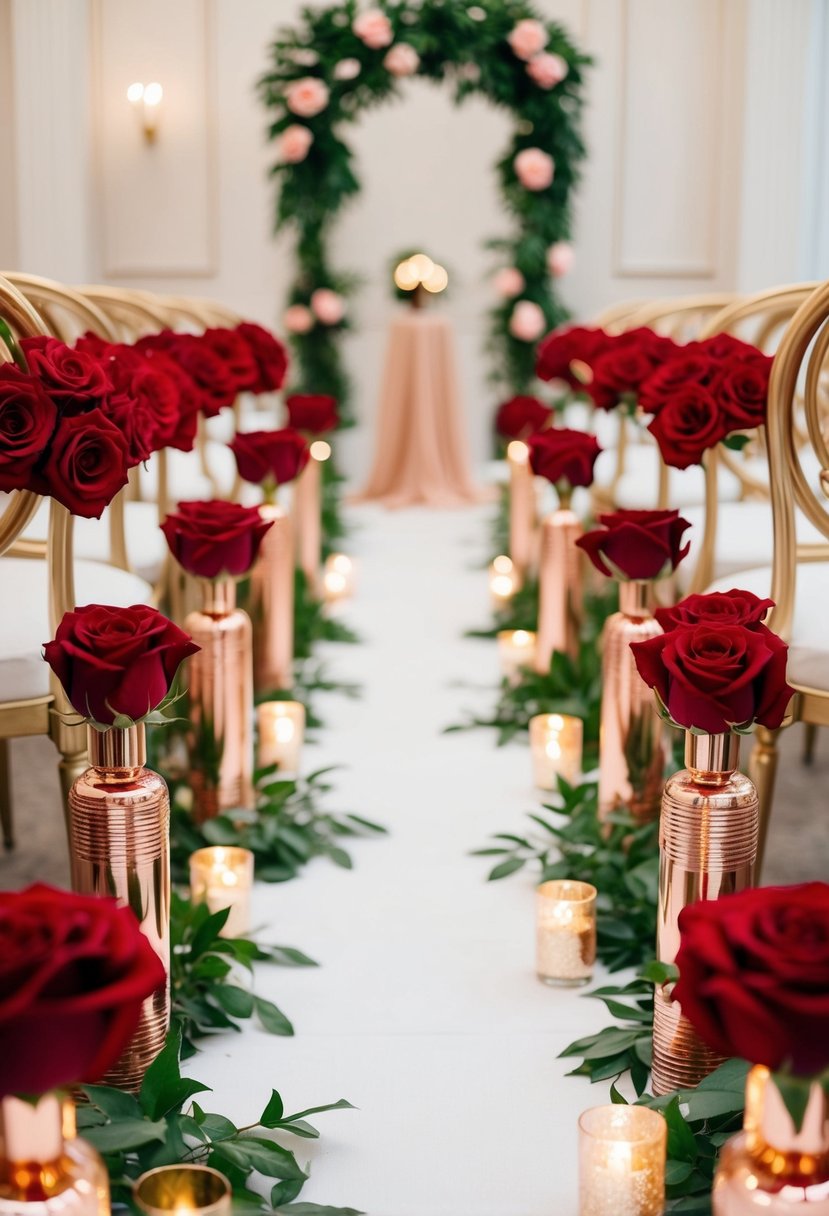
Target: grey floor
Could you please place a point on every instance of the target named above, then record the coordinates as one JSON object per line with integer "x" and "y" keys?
{"x": 798, "y": 848}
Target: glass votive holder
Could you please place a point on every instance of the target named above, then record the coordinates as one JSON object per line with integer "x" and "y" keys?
{"x": 516, "y": 651}
{"x": 504, "y": 581}
{"x": 186, "y": 1190}
{"x": 221, "y": 876}
{"x": 622, "y": 1152}
{"x": 556, "y": 746}
{"x": 338, "y": 577}
{"x": 281, "y": 731}
{"x": 565, "y": 933}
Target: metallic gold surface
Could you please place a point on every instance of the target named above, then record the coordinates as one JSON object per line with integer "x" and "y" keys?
{"x": 44, "y": 1167}
{"x": 560, "y": 588}
{"x": 307, "y": 522}
{"x": 272, "y": 604}
{"x": 187, "y": 1190}
{"x": 523, "y": 522}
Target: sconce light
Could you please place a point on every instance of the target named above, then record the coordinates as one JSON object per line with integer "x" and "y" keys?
{"x": 146, "y": 99}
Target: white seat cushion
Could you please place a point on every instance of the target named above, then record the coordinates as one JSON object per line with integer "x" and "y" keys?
{"x": 604, "y": 424}
{"x": 24, "y": 616}
{"x": 638, "y": 487}
{"x": 185, "y": 479}
{"x": 256, "y": 415}
{"x": 809, "y": 642}
{"x": 146, "y": 546}
{"x": 744, "y": 537}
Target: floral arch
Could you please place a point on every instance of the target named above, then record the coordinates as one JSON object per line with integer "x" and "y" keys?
{"x": 340, "y": 61}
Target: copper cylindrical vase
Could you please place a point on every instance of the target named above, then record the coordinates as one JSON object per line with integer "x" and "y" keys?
{"x": 272, "y": 604}
{"x": 119, "y": 844}
{"x": 631, "y": 733}
{"x": 708, "y": 836}
{"x": 523, "y": 523}
{"x": 44, "y": 1167}
{"x": 560, "y": 588}
{"x": 220, "y": 689}
{"x": 307, "y": 520}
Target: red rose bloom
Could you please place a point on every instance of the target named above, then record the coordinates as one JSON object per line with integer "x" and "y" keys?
{"x": 114, "y": 661}
{"x": 754, "y": 975}
{"x": 74, "y": 970}
{"x": 636, "y": 544}
{"x": 714, "y": 678}
{"x": 263, "y": 456}
{"x": 724, "y": 348}
{"x": 87, "y": 464}
{"x": 687, "y": 367}
{"x": 27, "y": 420}
{"x": 183, "y": 429}
{"x": 625, "y": 364}
{"x": 270, "y": 355}
{"x": 741, "y": 391}
{"x": 687, "y": 426}
{"x": 74, "y": 379}
{"x": 213, "y": 379}
{"x": 210, "y": 539}
{"x": 521, "y": 416}
{"x": 733, "y": 607}
{"x": 562, "y": 455}
{"x": 312, "y": 412}
{"x": 563, "y": 348}
{"x": 230, "y": 346}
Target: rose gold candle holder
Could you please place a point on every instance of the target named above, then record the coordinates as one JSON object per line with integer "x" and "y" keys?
{"x": 307, "y": 514}
{"x": 338, "y": 578}
{"x": 622, "y": 1153}
{"x": 523, "y": 521}
{"x": 221, "y": 876}
{"x": 516, "y": 651}
{"x": 281, "y": 730}
{"x": 559, "y": 589}
{"x": 556, "y": 748}
{"x": 44, "y": 1167}
{"x": 185, "y": 1190}
{"x": 272, "y": 604}
{"x": 565, "y": 942}
{"x": 504, "y": 581}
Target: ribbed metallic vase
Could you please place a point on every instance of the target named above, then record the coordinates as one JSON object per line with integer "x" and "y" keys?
{"x": 219, "y": 680}
{"x": 707, "y": 848}
{"x": 307, "y": 519}
{"x": 631, "y": 734}
{"x": 272, "y": 604}
{"x": 560, "y": 588}
{"x": 119, "y": 843}
{"x": 523, "y": 526}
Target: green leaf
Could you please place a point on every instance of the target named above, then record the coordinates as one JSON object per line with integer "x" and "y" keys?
{"x": 113, "y": 1102}
{"x": 316, "y": 1209}
{"x": 217, "y": 1127}
{"x": 340, "y": 1104}
{"x": 273, "y": 1112}
{"x": 125, "y": 1135}
{"x": 681, "y": 1142}
{"x": 284, "y": 1192}
{"x": 208, "y": 931}
{"x": 272, "y": 1018}
{"x": 234, "y": 1000}
{"x": 268, "y": 1158}
{"x": 677, "y": 1172}
{"x": 660, "y": 973}
{"x": 505, "y": 868}
{"x": 163, "y": 1088}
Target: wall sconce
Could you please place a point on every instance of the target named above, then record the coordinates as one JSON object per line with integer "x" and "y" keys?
{"x": 146, "y": 99}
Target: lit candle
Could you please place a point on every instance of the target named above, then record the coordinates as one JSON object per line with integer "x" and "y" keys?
{"x": 504, "y": 581}
{"x": 281, "y": 728}
{"x": 516, "y": 650}
{"x": 622, "y": 1153}
{"x": 338, "y": 577}
{"x": 222, "y": 876}
{"x": 556, "y": 746}
{"x": 565, "y": 941}
{"x": 186, "y": 1190}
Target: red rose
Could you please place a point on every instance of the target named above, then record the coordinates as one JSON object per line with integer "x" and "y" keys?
{"x": 88, "y": 463}
{"x": 687, "y": 367}
{"x": 230, "y": 346}
{"x": 74, "y": 970}
{"x": 754, "y": 975}
{"x": 560, "y": 350}
{"x": 312, "y": 412}
{"x": 278, "y": 456}
{"x": 713, "y": 678}
{"x": 636, "y": 544}
{"x": 725, "y": 348}
{"x": 182, "y": 433}
{"x": 212, "y": 378}
{"x": 625, "y": 364}
{"x": 209, "y": 539}
{"x": 27, "y": 420}
{"x": 520, "y": 416}
{"x": 74, "y": 379}
{"x": 687, "y": 426}
{"x": 733, "y": 607}
{"x": 562, "y": 455}
{"x": 270, "y": 355}
{"x": 116, "y": 660}
{"x": 741, "y": 391}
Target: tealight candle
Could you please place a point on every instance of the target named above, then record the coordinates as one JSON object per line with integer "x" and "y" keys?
{"x": 622, "y": 1153}
{"x": 338, "y": 577}
{"x": 565, "y": 940}
{"x": 556, "y": 746}
{"x": 504, "y": 581}
{"x": 186, "y": 1190}
{"x": 281, "y": 729}
{"x": 221, "y": 876}
{"x": 516, "y": 650}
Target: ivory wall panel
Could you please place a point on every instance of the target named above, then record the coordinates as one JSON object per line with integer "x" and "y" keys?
{"x": 8, "y": 199}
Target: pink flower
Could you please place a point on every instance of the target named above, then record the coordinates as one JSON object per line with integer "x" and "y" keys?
{"x": 373, "y": 28}
{"x": 508, "y": 282}
{"x": 294, "y": 143}
{"x": 298, "y": 319}
{"x": 560, "y": 259}
{"x": 347, "y": 69}
{"x": 527, "y": 322}
{"x": 327, "y": 306}
{"x": 547, "y": 70}
{"x": 527, "y": 38}
{"x": 402, "y": 60}
{"x": 534, "y": 169}
{"x": 306, "y": 97}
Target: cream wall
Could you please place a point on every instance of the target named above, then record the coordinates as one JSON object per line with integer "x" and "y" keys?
{"x": 681, "y": 193}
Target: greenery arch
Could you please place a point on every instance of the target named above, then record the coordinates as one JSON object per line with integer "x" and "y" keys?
{"x": 345, "y": 52}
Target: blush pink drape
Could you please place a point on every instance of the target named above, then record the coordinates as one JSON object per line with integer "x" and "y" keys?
{"x": 421, "y": 453}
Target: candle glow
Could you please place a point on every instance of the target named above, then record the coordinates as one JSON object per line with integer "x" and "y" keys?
{"x": 222, "y": 877}
{"x": 281, "y": 728}
{"x": 565, "y": 932}
{"x": 556, "y": 746}
{"x": 622, "y": 1151}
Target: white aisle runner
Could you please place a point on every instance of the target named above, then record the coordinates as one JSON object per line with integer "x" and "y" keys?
{"x": 425, "y": 1012}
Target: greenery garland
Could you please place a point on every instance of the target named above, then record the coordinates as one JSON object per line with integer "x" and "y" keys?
{"x": 465, "y": 45}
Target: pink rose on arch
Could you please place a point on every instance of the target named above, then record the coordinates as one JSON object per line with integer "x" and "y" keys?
{"x": 327, "y": 306}
{"x": 306, "y": 97}
{"x": 373, "y": 28}
{"x": 298, "y": 319}
{"x": 560, "y": 259}
{"x": 527, "y": 322}
{"x": 508, "y": 282}
{"x": 534, "y": 169}
{"x": 547, "y": 70}
{"x": 527, "y": 38}
{"x": 401, "y": 60}
{"x": 347, "y": 69}
{"x": 294, "y": 143}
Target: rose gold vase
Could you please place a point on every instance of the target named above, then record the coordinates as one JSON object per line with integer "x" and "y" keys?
{"x": 307, "y": 521}
{"x": 708, "y": 847}
{"x": 220, "y": 689}
{"x": 631, "y": 747}
{"x": 770, "y": 1167}
{"x": 523, "y": 522}
{"x": 272, "y": 604}
{"x": 44, "y": 1167}
{"x": 560, "y": 588}
{"x": 119, "y": 844}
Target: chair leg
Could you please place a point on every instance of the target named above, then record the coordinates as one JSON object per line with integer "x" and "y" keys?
{"x": 809, "y": 740}
{"x": 763, "y": 771}
{"x": 70, "y": 766}
{"x": 6, "y": 813}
